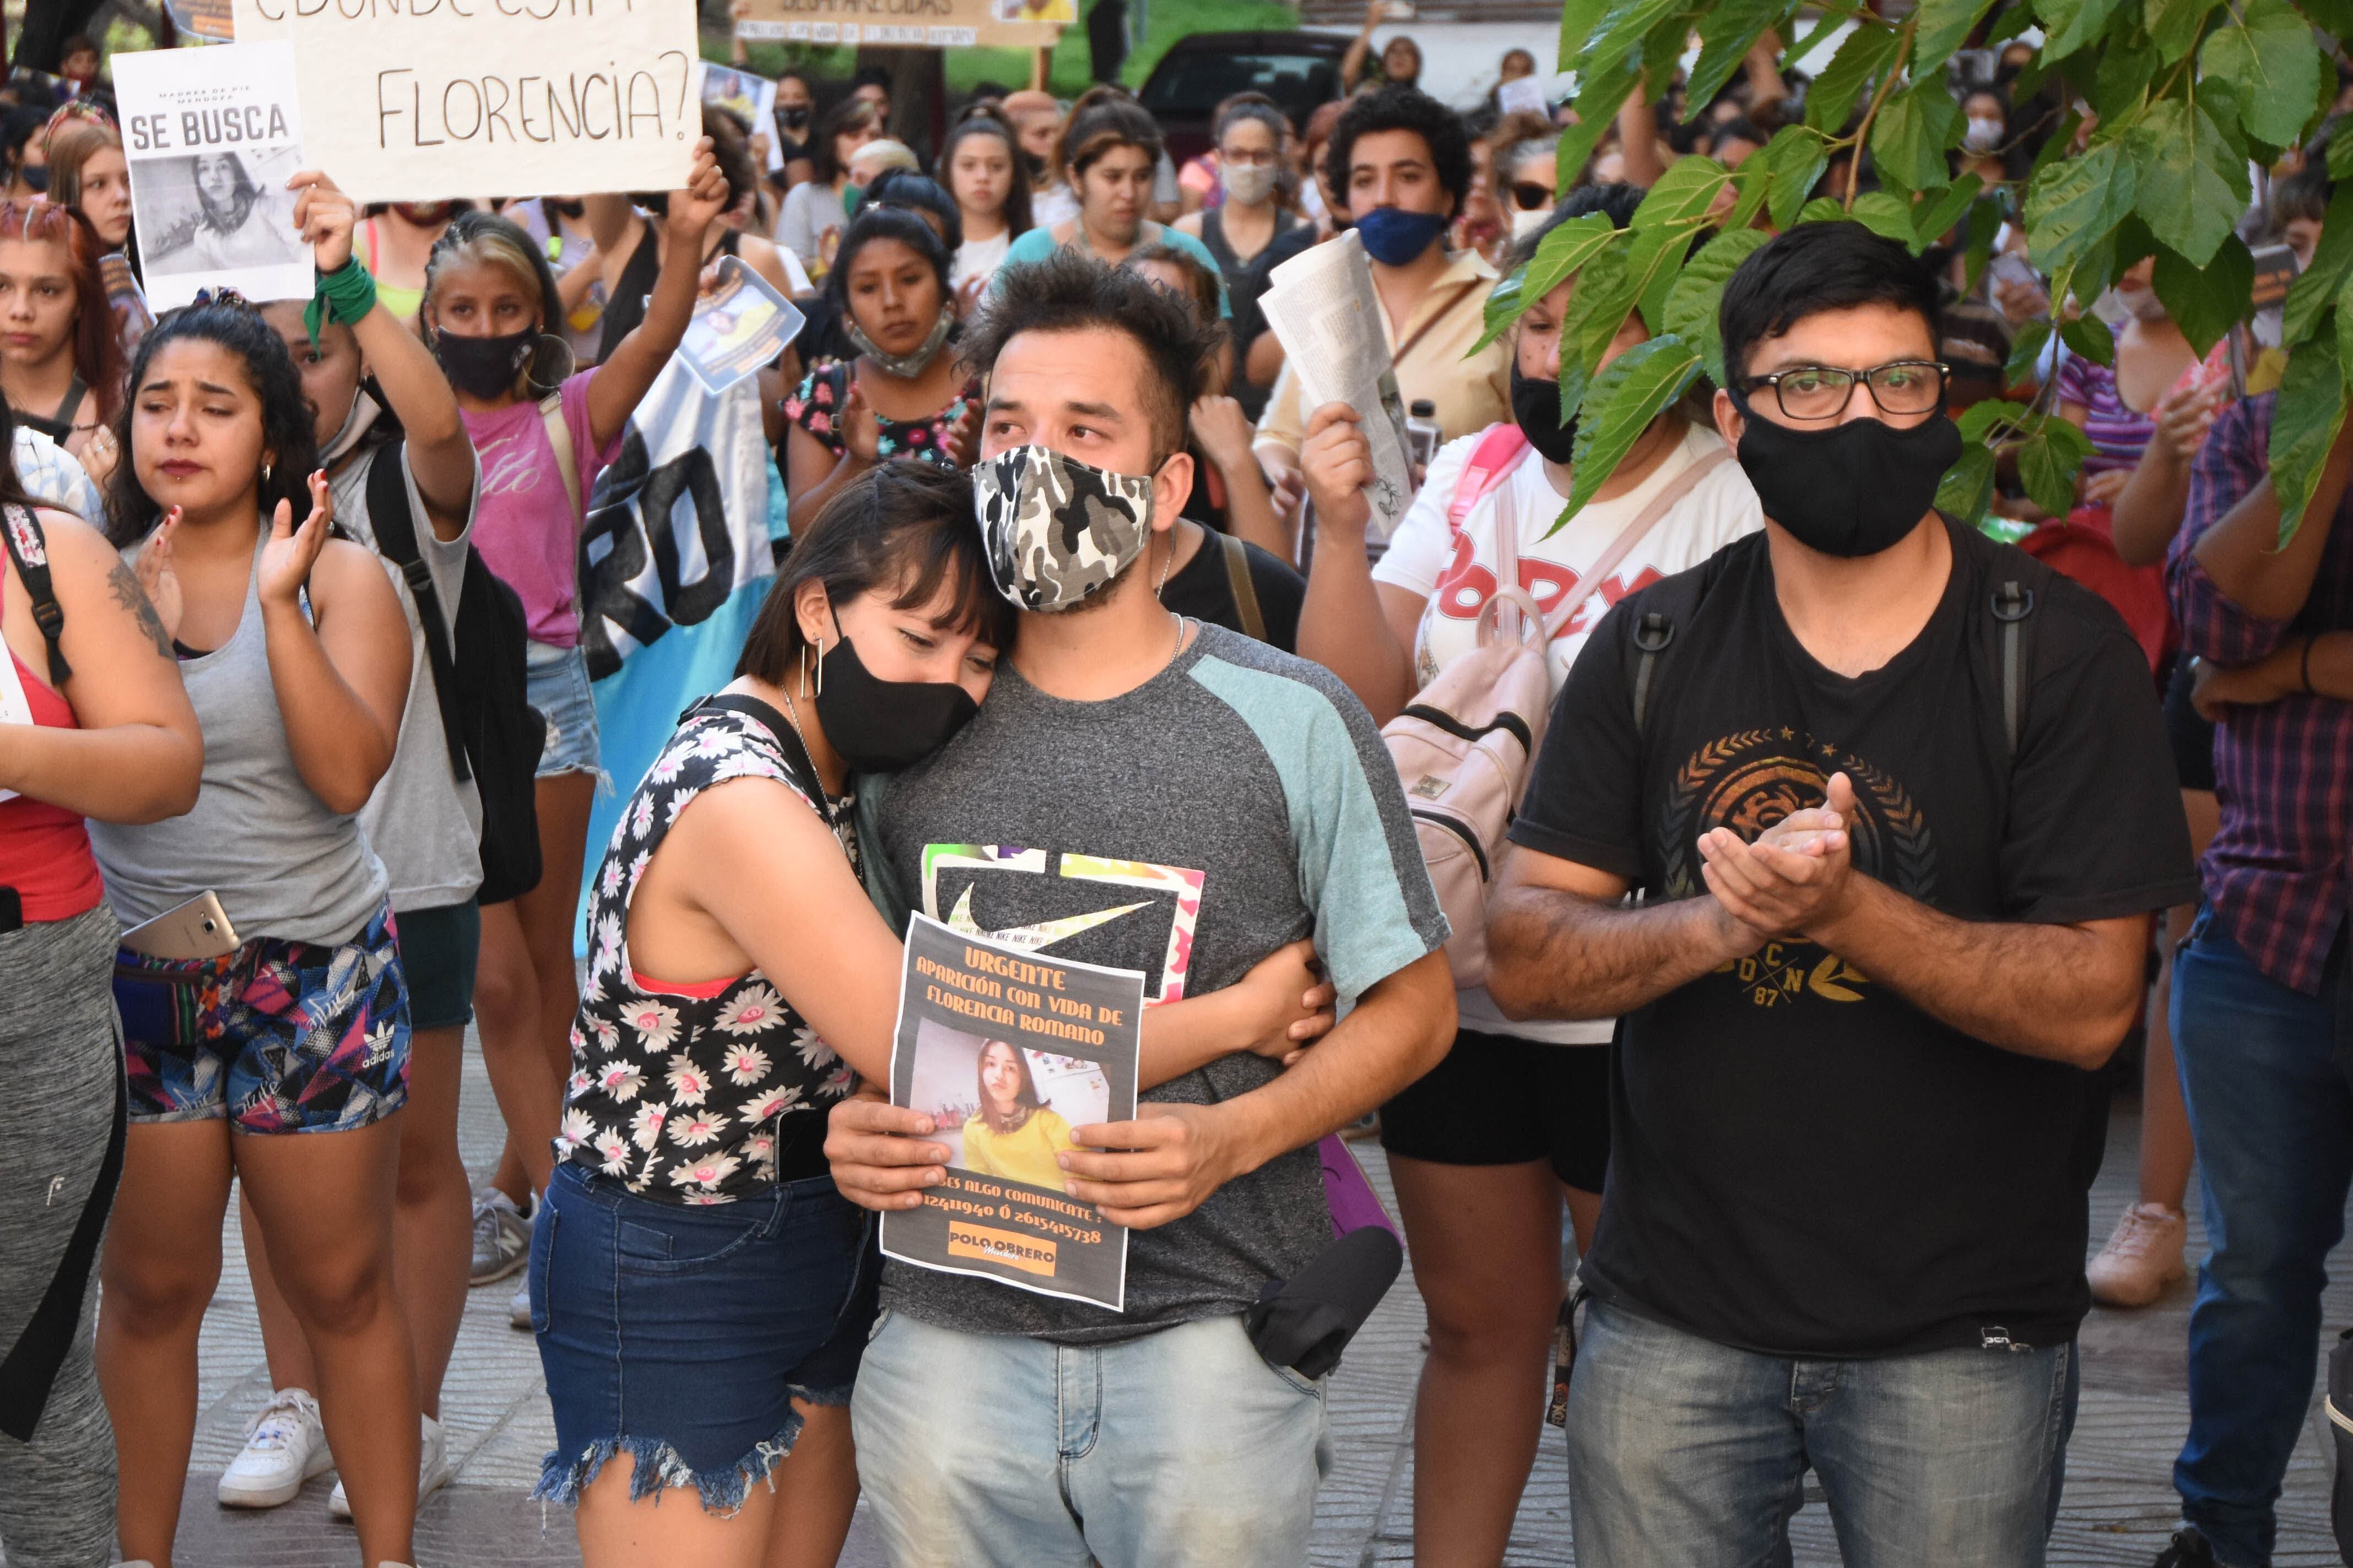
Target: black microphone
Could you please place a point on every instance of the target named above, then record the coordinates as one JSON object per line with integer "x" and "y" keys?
{"x": 1306, "y": 1322}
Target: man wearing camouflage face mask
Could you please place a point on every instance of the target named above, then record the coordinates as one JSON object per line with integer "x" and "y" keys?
{"x": 1144, "y": 791}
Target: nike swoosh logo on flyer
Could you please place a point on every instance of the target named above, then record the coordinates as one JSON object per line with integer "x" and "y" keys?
{"x": 1030, "y": 938}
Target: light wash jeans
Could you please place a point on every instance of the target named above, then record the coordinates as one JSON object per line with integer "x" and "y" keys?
{"x": 1683, "y": 1453}
{"x": 1181, "y": 1449}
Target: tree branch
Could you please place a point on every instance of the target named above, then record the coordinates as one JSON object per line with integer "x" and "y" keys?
{"x": 1871, "y": 111}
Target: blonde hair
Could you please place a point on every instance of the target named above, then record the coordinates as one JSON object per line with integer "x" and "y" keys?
{"x": 482, "y": 239}
{"x": 883, "y": 153}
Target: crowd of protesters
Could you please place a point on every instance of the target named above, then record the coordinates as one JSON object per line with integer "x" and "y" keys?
{"x": 1845, "y": 840}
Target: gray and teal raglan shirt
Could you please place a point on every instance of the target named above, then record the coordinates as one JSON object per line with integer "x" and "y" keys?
{"x": 1238, "y": 800}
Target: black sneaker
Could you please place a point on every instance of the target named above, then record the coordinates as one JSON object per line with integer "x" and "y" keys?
{"x": 2188, "y": 1549}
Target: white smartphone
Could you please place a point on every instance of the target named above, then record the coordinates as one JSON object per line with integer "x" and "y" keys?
{"x": 197, "y": 929}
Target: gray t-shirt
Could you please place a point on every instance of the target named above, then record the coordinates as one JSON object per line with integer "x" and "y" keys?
{"x": 423, "y": 821}
{"x": 1238, "y": 800}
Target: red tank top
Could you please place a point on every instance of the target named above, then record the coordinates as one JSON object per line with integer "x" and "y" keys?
{"x": 44, "y": 850}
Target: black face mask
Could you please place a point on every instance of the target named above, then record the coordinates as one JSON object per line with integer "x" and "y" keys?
{"x": 1850, "y": 490}
{"x": 1535, "y": 405}
{"x": 483, "y": 367}
{"x": 1032, "y": 165}
{"x": 572, "y": 209}
{"x": 794, "y": 118}
{"x": 880, "y": 726}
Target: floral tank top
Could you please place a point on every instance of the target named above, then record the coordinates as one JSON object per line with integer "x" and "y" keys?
{"x": 703, "y": 1097}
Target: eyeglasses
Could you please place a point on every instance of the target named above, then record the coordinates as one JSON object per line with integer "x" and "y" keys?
{"x": 1529, "y": 196}
{"x": 1819, "y": 392}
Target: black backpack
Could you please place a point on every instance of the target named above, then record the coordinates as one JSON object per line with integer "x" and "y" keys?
{"x": 28, "y": 547}
{"x": 494, "y": 734}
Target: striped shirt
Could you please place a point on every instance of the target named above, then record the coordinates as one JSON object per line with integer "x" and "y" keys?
{"x": 2276, "y": 876}
{"x": 2118, "y": 436}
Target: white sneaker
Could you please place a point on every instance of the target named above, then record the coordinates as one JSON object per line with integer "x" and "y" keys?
{"x": 284, "y": 1445}
{"x": 501, "y": 1237}
{"x": 2142, "y": 1258}
{"x": 519, "y": 1310}
{"x": 432, "y": 1470}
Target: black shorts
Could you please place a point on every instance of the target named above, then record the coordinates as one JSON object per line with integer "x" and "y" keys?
{"x": 439, "y": 948}
{"x": 1499, "y": 1101}
{"x": 2192, "y": 738}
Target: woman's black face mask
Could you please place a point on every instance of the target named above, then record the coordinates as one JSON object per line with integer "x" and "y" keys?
{"x": 880, "y": 726}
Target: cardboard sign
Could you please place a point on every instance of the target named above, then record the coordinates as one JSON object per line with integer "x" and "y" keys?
{"x": 211, "y": 137}
{"x": 1007, "y": 1052}
{"x": 421, "y": 100}
{"x": 741, "y": 324}
{"x": 929, "y": 24}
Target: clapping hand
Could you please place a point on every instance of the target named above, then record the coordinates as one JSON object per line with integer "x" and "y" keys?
{"x": 287, "y": 559}
{"x": 1794, "y": 878}
{"x": 157, "y": 580}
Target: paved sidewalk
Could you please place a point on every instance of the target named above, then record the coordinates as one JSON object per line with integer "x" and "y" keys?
{"x": 2118, "y": 1509}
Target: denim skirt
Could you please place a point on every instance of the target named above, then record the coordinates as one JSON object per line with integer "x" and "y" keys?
{"x": 682, "y": 1335}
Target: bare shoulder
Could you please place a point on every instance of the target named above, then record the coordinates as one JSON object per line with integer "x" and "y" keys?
{"x": 347, "y": 570}
{"x": 1190, "y": 224}
{"x": 80, "y": 559}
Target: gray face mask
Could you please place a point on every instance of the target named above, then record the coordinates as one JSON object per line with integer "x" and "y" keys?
{"x": 1058, "y": 532}
{"x": 906, "y": 366}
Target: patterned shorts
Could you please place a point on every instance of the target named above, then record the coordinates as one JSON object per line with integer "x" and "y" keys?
{"x": 277, "y": 1037}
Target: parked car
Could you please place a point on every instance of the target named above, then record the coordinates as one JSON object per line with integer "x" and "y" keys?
{"x": 1298, "y": 71}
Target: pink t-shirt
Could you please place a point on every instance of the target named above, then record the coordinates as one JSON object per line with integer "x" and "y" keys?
{"x": 525, "y": 526}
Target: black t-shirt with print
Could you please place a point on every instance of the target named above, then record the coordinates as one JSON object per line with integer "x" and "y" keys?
{"x": 1203, "y": 589}
{"x": 1801, "y": 1162}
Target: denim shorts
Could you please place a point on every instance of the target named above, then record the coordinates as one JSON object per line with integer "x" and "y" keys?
{"x": 682, "y": 1335}
{"x": 555, "y": 680}
{"x": 275, "y": 1037}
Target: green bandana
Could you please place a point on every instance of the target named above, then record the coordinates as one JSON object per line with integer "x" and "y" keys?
{"x": 347, "y": 294}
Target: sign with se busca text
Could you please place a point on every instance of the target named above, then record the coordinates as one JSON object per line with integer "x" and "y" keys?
{"x": 421, "y": 100}
{"x": 1008, "y": 1054}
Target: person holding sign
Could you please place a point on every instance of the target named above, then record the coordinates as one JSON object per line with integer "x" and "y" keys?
{"x": 1146, "y": 793}
{"x": 1014, "y": 1134}
{"x": 489, "y": 312}
{"x": 905, "y": 395}
{"x": 98, "y": 726}
{"x": 279, "y": 1057}
{"x": 738, "y": 976}
{"x": 60, "y": 361}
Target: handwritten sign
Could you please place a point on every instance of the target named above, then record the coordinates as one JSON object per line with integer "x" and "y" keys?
{"x": 419, "y": 100}
{"x": 211, "y": 137}
{"x": 930, "y": 23}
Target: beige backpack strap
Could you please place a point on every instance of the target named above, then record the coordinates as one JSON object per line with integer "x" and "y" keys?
{"x": 1674, "y": 490}
{"x": 1245, "y": 591}
{"x": 559, "y": 435}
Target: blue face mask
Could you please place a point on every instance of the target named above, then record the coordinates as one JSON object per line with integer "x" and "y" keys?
{"x": 1394, "y": 237}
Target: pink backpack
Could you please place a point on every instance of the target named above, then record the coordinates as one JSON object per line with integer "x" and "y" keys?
{"x": 1463, "y": 745}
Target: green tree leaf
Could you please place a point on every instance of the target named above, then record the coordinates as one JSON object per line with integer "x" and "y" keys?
{"x": 1692, "y": 303}
{"x": 1822, "y": 209}
{"x": 1560, "y": 253}
{"x": 1622, "y": 27}
{"x": 2266, "y": 52}
{"x": 2047, "y": 461}
{"x": 1624, "y": 398}
{"x": 1732, "y": 30}
{"x": 2334, "y": 17}
{"x": 2123, "y": 79}
{"x": 1981, "y": 419}
{"x": 2074, "y": 204}
{"x": 1601, "y": 91}
{"x": 2208, "y": 301}
{"x": 2025, "y": 350}
{"x": 2190, "y": 186}
{"x": 2069, "y": 25}
{"x": 2089, "y": 338}
{"x": 2173, "y": 26}
{"x": 1683, "y": 194}
{"x": 2315, "y": 290}
{"x": 1506, "y": 303}
{"x": 1966, "y": 488}
{"x": 2304, "y": 422}
{"x": 1598, "y": 306}
{"x": 1580, "y": 21}
{"x": 1944, "y": 26}
{"x": 1870, "y": 49}
{"x": 1914, "y": 128}
{"x": 1796, "y": 157}
{"x": 2341, "y": 157}
{"x": 1887, "y": 215}
{"x": 1932, "y": 219}
{"x": 1754, "y": 182}
{"x": 1985, "y": 227}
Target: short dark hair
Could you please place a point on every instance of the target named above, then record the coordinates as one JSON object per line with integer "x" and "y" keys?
{"x": 1811, "y": 268}
{"x": 907, "y": 525}
{"x": 1615, "y": 202}
{"x": 1402, "y": 109}
{"x": 910, "y": 190}
{"x": 871, "y": 76}
{"x": 731, "y": 149}
{"x": 1741, "y": 129}
{"x": 850, "y": 114}
{"x": 1068, "y": 292}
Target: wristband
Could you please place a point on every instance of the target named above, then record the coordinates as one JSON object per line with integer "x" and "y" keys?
{"x": 2305, "y": 667}
{"x": 347, "y": 294}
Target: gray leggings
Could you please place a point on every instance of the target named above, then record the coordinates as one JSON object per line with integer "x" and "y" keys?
{"x": 59, "y": 1056}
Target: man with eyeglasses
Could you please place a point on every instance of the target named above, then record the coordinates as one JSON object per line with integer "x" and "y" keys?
{"x": 1898, "y": 805}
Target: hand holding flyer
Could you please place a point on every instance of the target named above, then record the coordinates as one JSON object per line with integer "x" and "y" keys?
{"x": 1007, "y": 1052}
{"x": 740, "y": 324}
{"x": 1321, "y": 306}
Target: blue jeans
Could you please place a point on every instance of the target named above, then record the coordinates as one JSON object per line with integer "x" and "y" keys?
{"x": 1683, "y": 1453}
{"x": 1177, "y": 1449}
{"x": 2272, "y": 1115}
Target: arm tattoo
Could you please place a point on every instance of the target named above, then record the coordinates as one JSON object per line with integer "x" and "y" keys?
{"x": 133, "y": 598}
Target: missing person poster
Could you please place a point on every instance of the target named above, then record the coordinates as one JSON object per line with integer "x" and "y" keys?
{"x": 751, "y": 98}
{"x": 1007, "y": 1052}
{"x": 740, "y": 323}
{"x": 212, "y": 136}
{"x": 423, "y": 99}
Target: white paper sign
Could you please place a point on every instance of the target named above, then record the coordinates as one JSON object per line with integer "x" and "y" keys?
{"x": 752, "y": 99}
{"x": 421, "y": 100}
{"x": 212, "y": 136}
